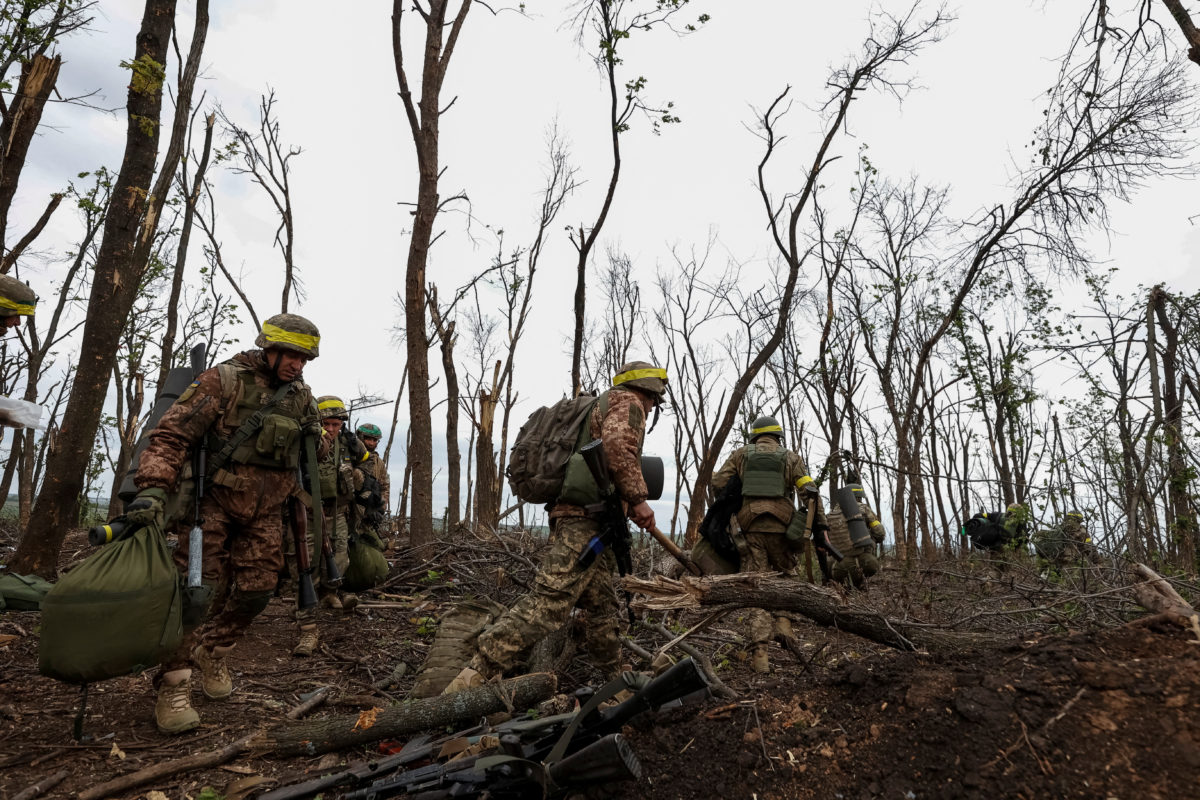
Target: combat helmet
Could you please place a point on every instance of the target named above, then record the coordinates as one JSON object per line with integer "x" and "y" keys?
{"x": 290, "y": 332}
{"x": 332, "y": 406}
{"x": 643, "y": 375}
{"x": 16, "y": 298}
{"x": 369, "y": 430}
{"x": 765, "y": 426}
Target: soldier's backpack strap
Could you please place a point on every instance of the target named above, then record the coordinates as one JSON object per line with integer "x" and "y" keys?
{"x": 247, "y": 429}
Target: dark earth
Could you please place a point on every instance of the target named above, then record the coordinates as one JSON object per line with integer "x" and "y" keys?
{"x": 1096, "y": 712}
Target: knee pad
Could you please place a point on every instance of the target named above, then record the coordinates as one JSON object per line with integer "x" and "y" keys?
{"x": 249, "y": 604}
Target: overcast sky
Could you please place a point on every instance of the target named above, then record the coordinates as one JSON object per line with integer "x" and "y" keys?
{"x": 511, "y": 77}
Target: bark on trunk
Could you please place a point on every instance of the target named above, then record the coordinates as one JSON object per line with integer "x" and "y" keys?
{"x": 336, "y": 732}
{"x": 487, "y": 498}
{"x": 38, "y": 77}
{"x": 115, "y": 281}
{"x": 815, "y": 603}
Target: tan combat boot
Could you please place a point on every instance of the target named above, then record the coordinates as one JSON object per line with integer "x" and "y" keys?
{"x": 215, "y": 681}
{"x": 308, "y": 641}
{"x": 173, "y": 712}
{"x": 783, "y": 627}
{"x": 349, "y": 602}
{"x": 470, "y": 677}
{"x": 759, "y": 660}
{"x": 331, "y": 601}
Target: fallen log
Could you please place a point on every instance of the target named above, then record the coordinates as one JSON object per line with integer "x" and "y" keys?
{"x": 166, "y": 769}
{"x": 313, "y": 737}
{"x": 1155, "y": 594}
{"x": 41, "y": 787}
{"x": 771, "y": 593}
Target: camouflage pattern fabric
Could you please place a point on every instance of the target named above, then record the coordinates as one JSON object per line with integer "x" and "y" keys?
{"x": 839, "y": 529}
{"x": 767, "y": 552}
{"x": 375, "y": 466}
{"x": 560, "y": 586}
{"x": 763, "y": 513}
{"x": 242, "y": 513}
{"x": 859, "y": 564}
{"x": 622, "y": 429}
{"x": 454, "y": 644}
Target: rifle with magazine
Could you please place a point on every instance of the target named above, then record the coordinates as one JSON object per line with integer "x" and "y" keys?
{"x": 547, "y": 757}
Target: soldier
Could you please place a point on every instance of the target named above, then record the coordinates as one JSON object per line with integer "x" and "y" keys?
{"x": 341, "y": 478}
{"x": 860, "y": 562}
{"x": 251, "y": 413}
{"x": 369, "y": 435}
{"x": 1066, "y": 542}
{"x": 618, "y": 419}
{"x": 16, "y": 300}
{"x": 770, "y": 475}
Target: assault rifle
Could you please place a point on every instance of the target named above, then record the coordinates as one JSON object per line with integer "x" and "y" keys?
{"x": 547, "y": 757}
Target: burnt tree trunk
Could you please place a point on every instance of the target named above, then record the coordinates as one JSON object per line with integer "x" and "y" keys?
{"x": 487, "y": 495}
{"x": 21, "y": 119}
{"x": 447, "y": 339}
{"x": 115, "y": 279}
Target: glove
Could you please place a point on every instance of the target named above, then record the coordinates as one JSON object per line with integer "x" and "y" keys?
{"x": 148, "y": 509}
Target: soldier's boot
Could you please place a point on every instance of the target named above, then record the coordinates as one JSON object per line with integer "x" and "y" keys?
{"x": 173, "y": 712}
{"x": 308, "y": 641}
{"x": 783, "y": 627}
{"x": 331, "y": 600}
{"x": 215, "y": 681}
{"x": 760, "y": 662}
{"x": 472, "y": 675}
{"x": 349, "y": 602}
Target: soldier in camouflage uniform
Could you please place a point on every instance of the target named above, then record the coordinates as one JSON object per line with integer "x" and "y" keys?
{"x": 253, "y": 459}
{"x": 1066, "y": 542}
{"x": 369, "y": 434}
{"x": 341, "y": 478}
{"x": 860, "y": 561}
{"x": 619, "y": 420}
{"x": 770, "y": 475}
{"x": 16, "y": 300}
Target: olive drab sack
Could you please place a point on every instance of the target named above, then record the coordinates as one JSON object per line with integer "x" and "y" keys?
{"x": 22, "y": 592}
{"x": 367, "y": 565}
{"x": 537, "y": 463}
{"x": 119, "y": 612}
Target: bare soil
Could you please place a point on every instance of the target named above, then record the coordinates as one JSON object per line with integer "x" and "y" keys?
{"x": 1104, "y": 711}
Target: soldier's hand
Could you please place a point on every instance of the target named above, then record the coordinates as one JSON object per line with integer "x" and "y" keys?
{"x": 642, "y": 515}
{"x": 148, "y": 508}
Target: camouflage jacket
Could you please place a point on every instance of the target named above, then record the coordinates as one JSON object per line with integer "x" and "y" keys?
{"x": 763, "y": 514}
{"x": 622, "y": 430}
{"x": 205, "y": 408}
{"x": 377, "y": 469}
{"x": 839, "y": 530}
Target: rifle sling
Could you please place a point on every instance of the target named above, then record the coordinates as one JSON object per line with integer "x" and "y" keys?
{"x": 634, "y": 682}
{"x": 247, "y": 429}
{"x": 314, "y": 485}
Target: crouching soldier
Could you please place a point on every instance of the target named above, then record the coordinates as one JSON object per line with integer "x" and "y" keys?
{"x": 859, "y": 562}
{"x": 251, "y": 414}
{"x": 341, "y": 478}
{"x": 770, "y": 475}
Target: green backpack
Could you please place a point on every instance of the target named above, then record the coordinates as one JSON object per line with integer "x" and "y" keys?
{"x": 367, "y": 565}
{"x": 118, "y": 612}
{"x": 22, "y": 592}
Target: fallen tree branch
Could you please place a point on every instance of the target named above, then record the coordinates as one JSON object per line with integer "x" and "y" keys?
{"x": 165, "y": 769}
{"x": 313, "y": 737}
{"x": 719, "y": 689}
{"x": 771, "y": 593}
{"x": 317, "y": 698}
{"x": 41, "y": 787}
{"x": 1159, "y": 596}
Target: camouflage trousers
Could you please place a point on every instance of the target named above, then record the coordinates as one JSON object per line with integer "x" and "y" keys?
{"x": 560, "y": 586}
{"x": 859, "y": 564}
{"x": 337, "y": 528}
{"x": 767, "y": 552}
{"x": 242, "y": 560}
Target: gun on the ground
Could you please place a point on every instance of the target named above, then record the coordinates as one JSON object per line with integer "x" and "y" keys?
{"x": 714, "y": 528}
{"x": 551, "y": 756}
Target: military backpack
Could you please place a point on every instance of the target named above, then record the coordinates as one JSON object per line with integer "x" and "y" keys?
{"x": 537, "y": 463}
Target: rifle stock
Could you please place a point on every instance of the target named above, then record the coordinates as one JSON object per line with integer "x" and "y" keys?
{"x": 306, "y": 592}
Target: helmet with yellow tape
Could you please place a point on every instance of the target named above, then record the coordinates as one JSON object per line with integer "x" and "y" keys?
{"x": 765, "y": 426}
{"x": 644, "y": 376}
{"x": 290, "y": 332}
{"x": 332, "y": 406}
{"x": 16, "y": 298}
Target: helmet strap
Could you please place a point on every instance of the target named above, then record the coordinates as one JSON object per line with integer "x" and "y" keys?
{"x": 657, "y": 412}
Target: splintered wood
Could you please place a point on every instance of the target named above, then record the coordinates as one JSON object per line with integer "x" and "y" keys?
{"x": 1155, "y": 594}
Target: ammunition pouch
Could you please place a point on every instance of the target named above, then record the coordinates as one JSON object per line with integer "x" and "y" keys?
{"x": 579, "y": 487}
{"x": 797, "y": 531}
{"x": 277, "y": 444}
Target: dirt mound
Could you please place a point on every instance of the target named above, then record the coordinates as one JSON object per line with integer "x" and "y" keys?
{"x": 1109, "y": 714}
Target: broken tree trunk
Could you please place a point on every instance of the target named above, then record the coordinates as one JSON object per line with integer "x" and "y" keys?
{"x": 1159, "y": 596}
{"x": 771, "y": 593}
{"x": 317, "y": 736}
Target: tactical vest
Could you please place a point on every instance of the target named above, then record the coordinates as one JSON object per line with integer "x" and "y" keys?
{"x": 767, "y": 504}
{"x": 327, "y": 470}
{"x": 277, "y": 443}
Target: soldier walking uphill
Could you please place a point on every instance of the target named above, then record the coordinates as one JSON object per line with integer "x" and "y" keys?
{"x": 618, "y": 418}
{"x": 859, "y": 561}
{"x": 251, "y": 413}
{"x": 770, "y": 476}
{"x": 341, "y": 478}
